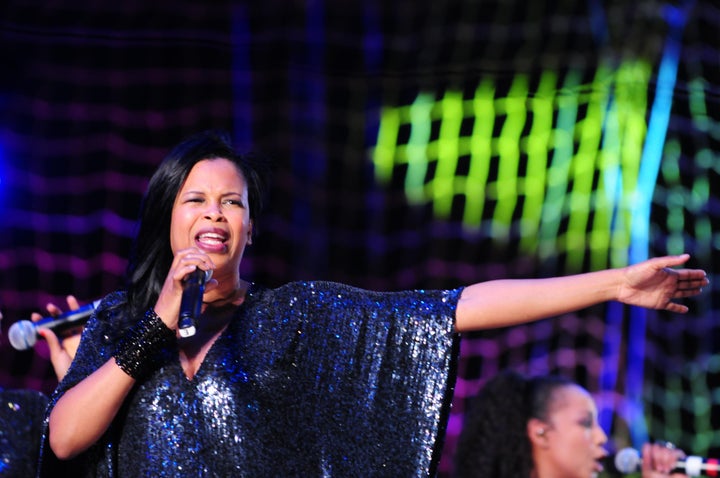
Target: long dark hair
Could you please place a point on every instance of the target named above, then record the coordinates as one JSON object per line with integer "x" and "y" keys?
{"x": 493, "y": 441}
{"x": 151, "y": 254}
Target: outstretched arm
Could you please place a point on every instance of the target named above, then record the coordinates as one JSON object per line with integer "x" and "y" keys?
{"x": 653, "y": 283}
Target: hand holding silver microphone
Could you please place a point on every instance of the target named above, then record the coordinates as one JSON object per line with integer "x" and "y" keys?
{"x": 629, "y": 461}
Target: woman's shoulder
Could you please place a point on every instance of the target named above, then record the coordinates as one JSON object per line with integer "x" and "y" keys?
{"x": 305, "y": 288}
{"x": 296, "y": 295}
{"x": 320, "y": 291}
{"x": 113, "y": 299}
{"x": 109, "y": 313}
{"x": 320, "y": 286}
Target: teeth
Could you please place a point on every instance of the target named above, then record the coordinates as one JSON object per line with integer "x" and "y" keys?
{"x": 210, "y": 237}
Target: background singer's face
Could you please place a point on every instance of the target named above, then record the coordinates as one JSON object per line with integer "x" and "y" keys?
{"x": 574, "y": 443}
{"x": 211, "y": 212}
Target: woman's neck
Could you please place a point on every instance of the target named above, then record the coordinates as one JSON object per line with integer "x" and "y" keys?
{"x": 221, "y": 296}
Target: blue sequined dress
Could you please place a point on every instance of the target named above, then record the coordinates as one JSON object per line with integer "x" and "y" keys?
{"x": 311, "y": 379}
{"x": 21, "y": 413}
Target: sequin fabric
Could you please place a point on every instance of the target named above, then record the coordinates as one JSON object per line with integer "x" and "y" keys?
{"x": 21, "y": 413}
{"x": 312, "y": 379}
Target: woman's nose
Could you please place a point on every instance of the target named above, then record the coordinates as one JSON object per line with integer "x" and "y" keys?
{"x": 602, "y": 436}
{"x": 214, "y": 211}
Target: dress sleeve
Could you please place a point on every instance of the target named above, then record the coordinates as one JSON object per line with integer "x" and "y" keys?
{"x": 382, "y": 365}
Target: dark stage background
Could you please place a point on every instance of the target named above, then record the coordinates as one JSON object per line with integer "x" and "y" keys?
{"x": 415, "y": 145}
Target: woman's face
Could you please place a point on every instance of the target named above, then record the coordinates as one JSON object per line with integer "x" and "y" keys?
{"x": 211, "y": 212}
{"x": 571, "y": 443}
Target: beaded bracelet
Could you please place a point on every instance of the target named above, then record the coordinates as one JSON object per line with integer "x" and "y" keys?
{"x": 135, "y": 352}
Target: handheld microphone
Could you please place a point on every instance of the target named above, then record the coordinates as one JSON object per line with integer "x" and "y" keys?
{"x": 628, "y": 460}
{"x": 23, "y": 333}
{"x": 191, "y": 302}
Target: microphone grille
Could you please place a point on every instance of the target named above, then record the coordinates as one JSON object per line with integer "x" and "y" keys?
{"x": 627, "y": 460}
{"x": 22, "y": 335}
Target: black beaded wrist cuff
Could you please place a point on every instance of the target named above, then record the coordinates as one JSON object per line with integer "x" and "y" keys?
{"x": 136, "y": 351}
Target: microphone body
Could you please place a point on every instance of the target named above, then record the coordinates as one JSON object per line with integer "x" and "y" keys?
{"x": 629, "y": 460}
{"x": 191, "y": 302}
{"x": 23, "y": 333}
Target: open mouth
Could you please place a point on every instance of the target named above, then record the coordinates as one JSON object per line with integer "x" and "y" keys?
{"x": 212, "y": 241}
{"x": 211, "y": 238}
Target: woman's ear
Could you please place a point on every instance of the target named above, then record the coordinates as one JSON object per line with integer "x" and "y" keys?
{"x": 250, "y": 233}
{"x": 537, "y": 432}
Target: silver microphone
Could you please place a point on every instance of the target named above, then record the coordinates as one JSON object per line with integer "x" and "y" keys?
{"x": 628, "y": 460}
{"x": 23, "y": 333}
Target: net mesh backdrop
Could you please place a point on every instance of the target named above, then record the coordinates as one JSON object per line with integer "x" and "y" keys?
{"x": 414, "y": 145}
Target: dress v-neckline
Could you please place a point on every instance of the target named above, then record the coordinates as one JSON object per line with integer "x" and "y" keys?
{"x": 201, "y": 356}
{"x": 201, "y": 365}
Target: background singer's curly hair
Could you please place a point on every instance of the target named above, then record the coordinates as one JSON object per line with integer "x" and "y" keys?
{"x": 494, "y": 441}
